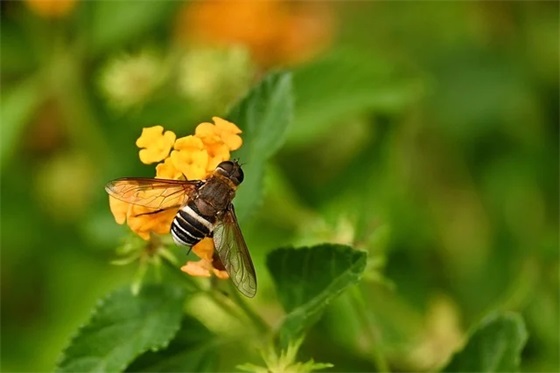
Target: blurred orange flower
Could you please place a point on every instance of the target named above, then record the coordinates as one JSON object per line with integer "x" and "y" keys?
{"x": 276, "y": 32}
{"x": 193, "y": 157}
{"x": 51, "y": 8}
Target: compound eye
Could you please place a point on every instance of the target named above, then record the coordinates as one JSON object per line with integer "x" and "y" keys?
{"x": 226, "y": 167}
{"x": 240, "y": 176}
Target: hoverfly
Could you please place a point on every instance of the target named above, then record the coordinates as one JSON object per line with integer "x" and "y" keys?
{"x": 205, "y": 210}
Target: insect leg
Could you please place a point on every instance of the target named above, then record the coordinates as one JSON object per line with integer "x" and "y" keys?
{"x": 158, "y": 211}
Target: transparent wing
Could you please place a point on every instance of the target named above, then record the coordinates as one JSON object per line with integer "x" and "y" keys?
{"x": 232, "y": 250}
{"x": 153, "y": 193}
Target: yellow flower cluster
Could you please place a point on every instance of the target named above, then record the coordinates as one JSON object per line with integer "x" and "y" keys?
{"x": 193, "y": 157}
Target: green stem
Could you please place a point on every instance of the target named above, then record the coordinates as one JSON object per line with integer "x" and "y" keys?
{"x": 239, "y": 312}
{"x": 360, "y": 306}
{"x": 225, "y": 305}
{"x": 256, "y": 319}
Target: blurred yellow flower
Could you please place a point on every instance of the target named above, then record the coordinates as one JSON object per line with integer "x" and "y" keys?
{"x": 129, "y": 80}
{"x": 275, "y": 31}
{"x": 51, "y": 8}
{"x": 214, "y": 77}
{"x": 193, "y": 157}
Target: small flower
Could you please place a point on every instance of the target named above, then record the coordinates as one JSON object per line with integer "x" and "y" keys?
{"x": 285, "y": 361}
{"x": 213, "y": 78}
{"x": 193, "y": 157}
{"x": 190, "y": 157}
{"x": 51, "y": 8}
{"x": 219, "y": 139}
{"x": 129, "y": 80}
{"x": 226, "y": 131}
{"x": 156, "y": 144}
{"x": 167, "y": 170}
{"x": 206, "y": 266}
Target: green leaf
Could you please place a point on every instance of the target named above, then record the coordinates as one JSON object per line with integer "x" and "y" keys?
{"x": 308, "y": 279}
{"x": 264, "y": 116}
{"x": 192, "y": 350}
{"x": 494, "y": 346}
{"x": 18, "y": 105}
{"x": 124, "y": 326}
{"x": 346, "y": 83}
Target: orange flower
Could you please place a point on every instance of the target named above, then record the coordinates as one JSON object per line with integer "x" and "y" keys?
{"x": 193, "y": 157}
{"x": 205, "y": 267}
{"x": 51, "y": 8}
{"x": 138, "y": 218}
{"x": 275, "y": 31}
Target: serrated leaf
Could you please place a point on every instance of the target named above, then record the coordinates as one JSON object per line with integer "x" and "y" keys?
{"x": 124, "y": 326}
{"x": 192, "y": 350}
{"x": 264, "y": 116}
{"x": 345, "y": 83}
{"x": 494, "y": 346}
{"x": 308, "y": 279}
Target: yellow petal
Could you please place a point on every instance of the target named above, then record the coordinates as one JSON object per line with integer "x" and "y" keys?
{"x": 141, "y": 221}
{"x": 217, "y": 153}
{"x": 223, "y": 125}
{"x": 191, "y": 164}
{"x": 204, "y": 249}
{"x": 189, "y": 143}
{"x": 228, "y": 133}
{"x": 198, "y": 269}
{"x": 222, "y": 275}
{"x": 233, "y": 142}
{"x": 207, "y": 132}
{"x": 167, "y": 170}
{"x": 119, "y": 209}
{"x": 156, "y": 144}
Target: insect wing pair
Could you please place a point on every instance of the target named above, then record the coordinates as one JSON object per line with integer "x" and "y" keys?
{"x": 161, "y": 195}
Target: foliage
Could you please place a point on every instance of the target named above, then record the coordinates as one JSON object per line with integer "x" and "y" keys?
{"x": 124, "y": 326}
{"x": 400, "y": 200}
{"x": 495, "y": 346}
{"x": 308, "y": 279}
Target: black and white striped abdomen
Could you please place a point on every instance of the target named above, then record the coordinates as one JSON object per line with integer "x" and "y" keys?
{"x": 189, "y": 226}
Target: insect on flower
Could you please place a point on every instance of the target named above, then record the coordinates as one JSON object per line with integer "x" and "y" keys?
{"x": 205, "y": 210}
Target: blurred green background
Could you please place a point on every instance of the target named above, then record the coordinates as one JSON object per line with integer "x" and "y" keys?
{"x": 424, "y": 132}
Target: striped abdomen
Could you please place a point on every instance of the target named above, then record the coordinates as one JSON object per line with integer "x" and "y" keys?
{"x": 189, "y": 226}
